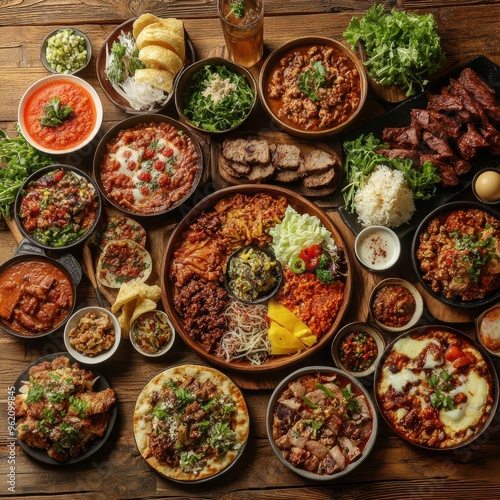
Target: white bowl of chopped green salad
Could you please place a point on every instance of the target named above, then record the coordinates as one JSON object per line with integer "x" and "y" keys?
{"x": 215, "y": 96}
{"x": 66, "y": 51}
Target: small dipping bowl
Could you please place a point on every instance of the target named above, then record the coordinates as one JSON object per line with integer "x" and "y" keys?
{"x": 149, "y": 332}
{"x": 376, "y": 346}
{"x": 85, "y": 58}
{"x": 486, "y": 186}
{"x": 377, "y": 248}
{"x": 395, "y": 322}
{"x": 488, "y": 330}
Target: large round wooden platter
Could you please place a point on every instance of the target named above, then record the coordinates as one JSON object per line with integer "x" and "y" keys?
{"x": 301, "y": 205}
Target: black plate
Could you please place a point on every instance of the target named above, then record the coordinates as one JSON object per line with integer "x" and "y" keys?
{"x": 400, "y": 117}
{"x": 100, "y": 384}
{"x": 456, "y": 302}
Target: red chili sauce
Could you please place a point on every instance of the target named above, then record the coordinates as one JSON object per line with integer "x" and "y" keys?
{"x": 394, "y": 305}
{"x": 35, "y": 296}
{"x": 72, "y": 131}
{"x": 358, "y": 351}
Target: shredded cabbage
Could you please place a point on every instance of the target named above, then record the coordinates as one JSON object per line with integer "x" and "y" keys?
{"x": 296, "y": 232}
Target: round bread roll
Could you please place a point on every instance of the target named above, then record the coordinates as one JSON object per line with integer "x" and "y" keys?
{"x": 157, "y": 34}
{"x": 155, "y": 56}
{"x": 161, "y": 79}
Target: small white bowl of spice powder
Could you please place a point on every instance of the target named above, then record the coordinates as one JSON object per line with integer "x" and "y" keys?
{"x": 377, "y": 248}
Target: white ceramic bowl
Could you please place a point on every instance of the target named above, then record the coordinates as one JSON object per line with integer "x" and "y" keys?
{"x": 49, "y": 81}
{"x": 487, "y": 326}
{"x": 166, "y": 347}
{"x": 377, "y": 248}
{"x": 101, "y": 357}
{"x": 419, "y": 305}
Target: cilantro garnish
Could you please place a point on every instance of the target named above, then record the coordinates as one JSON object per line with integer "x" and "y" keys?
{"x": 237, "y": 8}
{"x": 309, "y": 81}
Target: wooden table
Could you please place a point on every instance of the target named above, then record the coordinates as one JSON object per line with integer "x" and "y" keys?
{"x": 394, "y": 469}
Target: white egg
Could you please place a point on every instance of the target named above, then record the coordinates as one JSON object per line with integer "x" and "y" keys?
{"x": 487, "y": 186}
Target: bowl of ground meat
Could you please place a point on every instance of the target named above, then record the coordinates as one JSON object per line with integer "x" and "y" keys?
{"x": 456, "y": 254}
{"x": 313, "y": 87}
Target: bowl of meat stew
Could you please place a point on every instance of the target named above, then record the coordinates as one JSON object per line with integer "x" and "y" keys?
{"x": 455, "y": 254}
{"x": 313, "y": 87}
{"x": 321, "y": 423}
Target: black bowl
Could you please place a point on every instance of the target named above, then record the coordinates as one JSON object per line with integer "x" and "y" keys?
{"x": 455, "y": 301}
{"x": 22, "y": 192}
{"x": 276, "y": 275}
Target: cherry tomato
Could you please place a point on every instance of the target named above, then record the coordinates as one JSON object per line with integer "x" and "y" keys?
{"x": 312, "y": 263}
{"x": 310, "y": 256}
{"x": 453, "y": 352}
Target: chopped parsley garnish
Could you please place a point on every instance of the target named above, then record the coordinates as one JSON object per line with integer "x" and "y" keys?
{"x": 441, "y": 384}
{"x": 79, "y": 406}
{"x": 35, "y": 393}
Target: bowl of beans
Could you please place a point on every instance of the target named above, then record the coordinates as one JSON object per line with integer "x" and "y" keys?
{"x": 357, "y": 347}
{"x": 92, "y": 335}
{"x": 395, "y": 305}
{"x": 313, "y": 87}
{"x": 152, "y": 333}
{"x": 66, "y": 51}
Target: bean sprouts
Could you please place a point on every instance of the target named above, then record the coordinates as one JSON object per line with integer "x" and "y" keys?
{"x": 246, "y": 337}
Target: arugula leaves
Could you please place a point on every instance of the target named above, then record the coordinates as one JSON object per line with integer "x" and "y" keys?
{"x": 309, "y": 81}
{"x": 362, "y": 158}
{"x": 55, "y": 113}
{"x": 402, "y": 48}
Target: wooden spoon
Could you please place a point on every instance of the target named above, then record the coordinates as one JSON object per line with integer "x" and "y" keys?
{"x": 389, "y": 93}
{"x": 89, "y": 265}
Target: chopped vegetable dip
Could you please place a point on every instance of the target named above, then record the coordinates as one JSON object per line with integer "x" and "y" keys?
{"x": 151, "y": 332}
{"x": 66, "y": 51}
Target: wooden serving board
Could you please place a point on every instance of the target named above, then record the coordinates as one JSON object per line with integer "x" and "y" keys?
{"x": 221, "y": 180}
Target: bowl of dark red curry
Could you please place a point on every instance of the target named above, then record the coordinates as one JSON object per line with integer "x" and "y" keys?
{"x": 313, "y": 87}
{"x": 148, "y": 165}
{"x": 456, "y": 256}
{"x": 37, "y": 293}
{"x": 58, "y": 207}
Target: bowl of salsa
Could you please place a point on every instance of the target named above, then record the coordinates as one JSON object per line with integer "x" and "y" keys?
{"x": 152, "y": 333}
{"x": 357, "y": 348}
{"x": 60, "y": 114}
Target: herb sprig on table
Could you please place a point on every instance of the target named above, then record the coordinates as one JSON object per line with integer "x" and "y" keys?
{"x": 18, "y": 160}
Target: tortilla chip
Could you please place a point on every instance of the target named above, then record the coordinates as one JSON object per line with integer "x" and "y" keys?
{"x": 142, "y": 306}
{"x": 155, "y": 56}
{"x": 134, "y": 290}
{"x": 142, "y": 21}
{"x": 158, "y": 34}
{"x": 174, "y": 25}
{"x": 161, "y": 79}
{"x": 125, "y": 317}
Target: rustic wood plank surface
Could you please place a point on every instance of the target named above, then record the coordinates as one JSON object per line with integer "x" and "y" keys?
{"x": 395, "y": 469}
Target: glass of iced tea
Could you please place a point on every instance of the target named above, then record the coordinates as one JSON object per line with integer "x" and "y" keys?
{"x": 243, "y": 27}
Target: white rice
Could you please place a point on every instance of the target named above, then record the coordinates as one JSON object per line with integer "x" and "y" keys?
{"x": 385, "y": 199}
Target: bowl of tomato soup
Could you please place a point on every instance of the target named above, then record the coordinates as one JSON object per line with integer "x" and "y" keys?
{"x": 37, "y": 293}
{"x": 60, "y": 114}
{"x": 58, "y": 207}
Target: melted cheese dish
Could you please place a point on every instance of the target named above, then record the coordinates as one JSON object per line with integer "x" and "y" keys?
{"x": 435, "y": 388}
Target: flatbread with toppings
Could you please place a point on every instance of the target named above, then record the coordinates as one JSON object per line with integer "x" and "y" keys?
{"x": 123, "y": 261}
{"x": 191, "y": 422}
{"x": 119, "y": 227}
